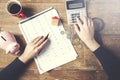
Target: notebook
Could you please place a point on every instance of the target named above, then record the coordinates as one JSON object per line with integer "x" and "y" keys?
{"x": 58, "y": 50}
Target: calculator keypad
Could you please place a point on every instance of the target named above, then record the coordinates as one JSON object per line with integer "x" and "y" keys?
{"x": 73, "y": 17}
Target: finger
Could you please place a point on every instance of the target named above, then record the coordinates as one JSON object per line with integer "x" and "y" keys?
{"x": 34, "y": 39}
{"x": 77, "y": 26}
{"x": 84, "y": 19}
{"x": 37, "y": 39}
{"x": 43, "y": 44}
{"x": 40, "y": 41}
{"x": 79, "y": 21}
{"x": 88, "y": 24}
{"x": 91, "y": 24}
{"x": 76, "y": 29}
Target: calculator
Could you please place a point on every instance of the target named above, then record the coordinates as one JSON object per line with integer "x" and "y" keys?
{"x": 75, "y": 8}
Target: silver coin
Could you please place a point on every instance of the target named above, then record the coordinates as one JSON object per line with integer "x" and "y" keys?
{"x": 68, "y": 36}
{"x": 62, "y": 32}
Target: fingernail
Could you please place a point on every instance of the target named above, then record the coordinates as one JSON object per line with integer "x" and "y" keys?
{"x": 41, "y": 37}
{"x": 77, "y": 18}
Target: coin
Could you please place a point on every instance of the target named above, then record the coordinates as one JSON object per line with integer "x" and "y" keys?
{"x": 62, "y": 32}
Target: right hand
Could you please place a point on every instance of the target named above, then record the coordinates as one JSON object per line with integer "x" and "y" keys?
{"x": 33, "y": 48}
{"x": 85, "y": 30}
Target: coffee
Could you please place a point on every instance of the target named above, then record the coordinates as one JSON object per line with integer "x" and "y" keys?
{"x": 15, "y": 8}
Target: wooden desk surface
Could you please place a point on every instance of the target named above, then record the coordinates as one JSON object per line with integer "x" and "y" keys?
{"x": 86, "y": 67}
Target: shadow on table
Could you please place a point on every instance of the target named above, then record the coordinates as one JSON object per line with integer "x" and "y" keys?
{"x": 21, "y": 41}
{"x": 98, "y": 26}
{"x": 28, "y": 11}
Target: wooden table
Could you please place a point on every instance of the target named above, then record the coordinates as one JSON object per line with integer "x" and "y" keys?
{"x": 86, "y": 67}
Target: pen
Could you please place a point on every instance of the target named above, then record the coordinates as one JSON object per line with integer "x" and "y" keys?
{"x": 3, "y": 38}
{"x": 47, "y": 36}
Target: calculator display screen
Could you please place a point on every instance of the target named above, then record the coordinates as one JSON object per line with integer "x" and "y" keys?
{"x": 76, "y": 4}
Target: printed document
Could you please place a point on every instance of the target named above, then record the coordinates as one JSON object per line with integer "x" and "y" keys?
{"x": 59, "y": 50}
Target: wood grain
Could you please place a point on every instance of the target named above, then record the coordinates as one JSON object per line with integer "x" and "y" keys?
{"x": 86, "y": 66}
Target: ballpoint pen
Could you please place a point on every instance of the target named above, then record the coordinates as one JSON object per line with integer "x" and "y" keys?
{"x": 47, "y": 36}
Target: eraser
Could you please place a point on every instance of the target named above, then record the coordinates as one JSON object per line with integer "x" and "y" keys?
{"x": 55, "y": 20}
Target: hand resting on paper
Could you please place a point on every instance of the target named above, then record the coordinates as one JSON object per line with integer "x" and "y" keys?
{"x": 33, "y": 48}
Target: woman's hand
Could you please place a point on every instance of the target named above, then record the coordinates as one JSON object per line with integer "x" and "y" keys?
{"x": 85, "y": 30}
{"x": 33, "y": 48}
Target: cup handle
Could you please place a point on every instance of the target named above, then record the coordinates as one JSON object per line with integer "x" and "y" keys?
{"x": 22, "y": 15}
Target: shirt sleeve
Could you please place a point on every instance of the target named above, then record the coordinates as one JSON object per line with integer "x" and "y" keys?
{"x": 110, "y": 63}
{"x": 12, "y": 71}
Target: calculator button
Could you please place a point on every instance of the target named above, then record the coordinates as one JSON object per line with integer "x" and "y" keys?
{"x": 73, "y": 17}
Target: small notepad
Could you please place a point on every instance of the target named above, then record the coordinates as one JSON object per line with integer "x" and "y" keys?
{"x": 58, "y": 50}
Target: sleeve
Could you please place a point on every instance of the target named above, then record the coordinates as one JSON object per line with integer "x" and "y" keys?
{"x": 110, "y": 63}
{"x": 12, "y": 71}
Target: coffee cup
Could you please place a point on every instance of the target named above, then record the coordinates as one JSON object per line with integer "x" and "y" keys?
{"x": 14, "y": 8}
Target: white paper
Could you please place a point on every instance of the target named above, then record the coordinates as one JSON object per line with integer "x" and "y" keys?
{"x": 58, "y": 50}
